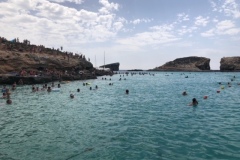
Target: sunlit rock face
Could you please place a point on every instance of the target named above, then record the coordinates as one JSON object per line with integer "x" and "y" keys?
{"x": 15, "y": 60}
{"x": 186, "y": 64}
{"x": 230, "y": 64}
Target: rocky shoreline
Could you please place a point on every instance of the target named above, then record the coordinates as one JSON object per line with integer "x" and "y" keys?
{"x": 36, "y": 79}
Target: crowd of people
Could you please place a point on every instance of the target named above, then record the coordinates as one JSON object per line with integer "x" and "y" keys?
{"x": 26, "y": 46}
{"x": 6, "y": 94}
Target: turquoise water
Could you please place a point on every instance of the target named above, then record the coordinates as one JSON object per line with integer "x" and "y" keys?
{"x": 153, "y": 122}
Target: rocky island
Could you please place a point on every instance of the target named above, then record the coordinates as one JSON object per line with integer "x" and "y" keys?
{"x": 112, "y": 66}
{"x": 230, "y": 64}
{"x": 186, "y": 64}
{"x": 22, "y": 62}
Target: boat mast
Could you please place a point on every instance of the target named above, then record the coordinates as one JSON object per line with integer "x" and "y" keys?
{"x": 95, "y": 62}
{"x": 104, "y": 61}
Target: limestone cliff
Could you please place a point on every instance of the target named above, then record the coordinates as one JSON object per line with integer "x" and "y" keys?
{"x": 230, "y": 64}
{"x": 186, "y": 64}
{"x": 14, "y": 61}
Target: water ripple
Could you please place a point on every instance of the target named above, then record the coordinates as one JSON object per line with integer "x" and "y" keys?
{"x": 152, "y": 122}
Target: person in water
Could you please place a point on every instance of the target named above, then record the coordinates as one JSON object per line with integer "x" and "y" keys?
{"x": 4, "y": 95}
{"x": 71, "y": 96}
{"x": 78, "y": 90}
{"x": 8, "y": 93}
{"x": 33, "y": 88}
{"x": 9, "y": 101}
{"x": 14, "y": 86}
{"x": 184, "y": 93}
{"x": 4, "y": 89}
{"x": 127, "y": 91}
{"x": 194, "y": 102}
{"x": 49, "y": 89}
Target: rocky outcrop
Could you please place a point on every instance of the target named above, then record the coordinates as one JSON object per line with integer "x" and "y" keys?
{"x": 112, "y": 66}
{"x": 230, "y": 64}
{"x": 33, "y": 64}
{"x": 186, "y": 64}
{"x": 10, "y": 79}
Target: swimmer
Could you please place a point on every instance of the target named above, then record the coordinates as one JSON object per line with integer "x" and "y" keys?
{"x": 184, "y": 93}
{"x": 14, "y": 86}
{"x": 127, "y": 91}
{"x": 59, "y": 85}
{"x": 78, "y": 90}
{"x": 33, "y": 88}
{"x": 49, "y": 89}
{"x": 4, "y": 89}
{"x": 71, "y": 96}
{"x": 43, "y": 88}
{"x": 194, "y": 102}
{"x": 96, "y": 87}
{"x": 90, "y": 88}
{"x": 84, "y": 84}
{"x": 4, "y": 95}
{"x": 9, "y": 101}
{"x": 8, "y": 93}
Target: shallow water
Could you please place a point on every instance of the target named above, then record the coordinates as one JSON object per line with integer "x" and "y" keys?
{"x": 153, "y": 122}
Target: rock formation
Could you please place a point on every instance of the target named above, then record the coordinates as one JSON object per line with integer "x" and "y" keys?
{"x": 186, "y": 64}
{"x": 37, "y": 64}
{"x": 230, "y": 64}
{"x": 112, "y": 66}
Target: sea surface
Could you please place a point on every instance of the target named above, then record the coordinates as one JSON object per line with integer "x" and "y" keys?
{"x": 152, "y": 122}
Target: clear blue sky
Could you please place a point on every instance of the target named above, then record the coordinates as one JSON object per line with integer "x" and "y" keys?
{"x": 140, "y": 34}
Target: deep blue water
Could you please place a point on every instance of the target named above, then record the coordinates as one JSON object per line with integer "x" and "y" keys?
{"x": 152, "y": 122}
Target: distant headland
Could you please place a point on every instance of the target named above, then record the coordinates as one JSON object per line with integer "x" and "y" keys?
{"x": 230, "y": 64}
{"x": 196, "y": 64}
